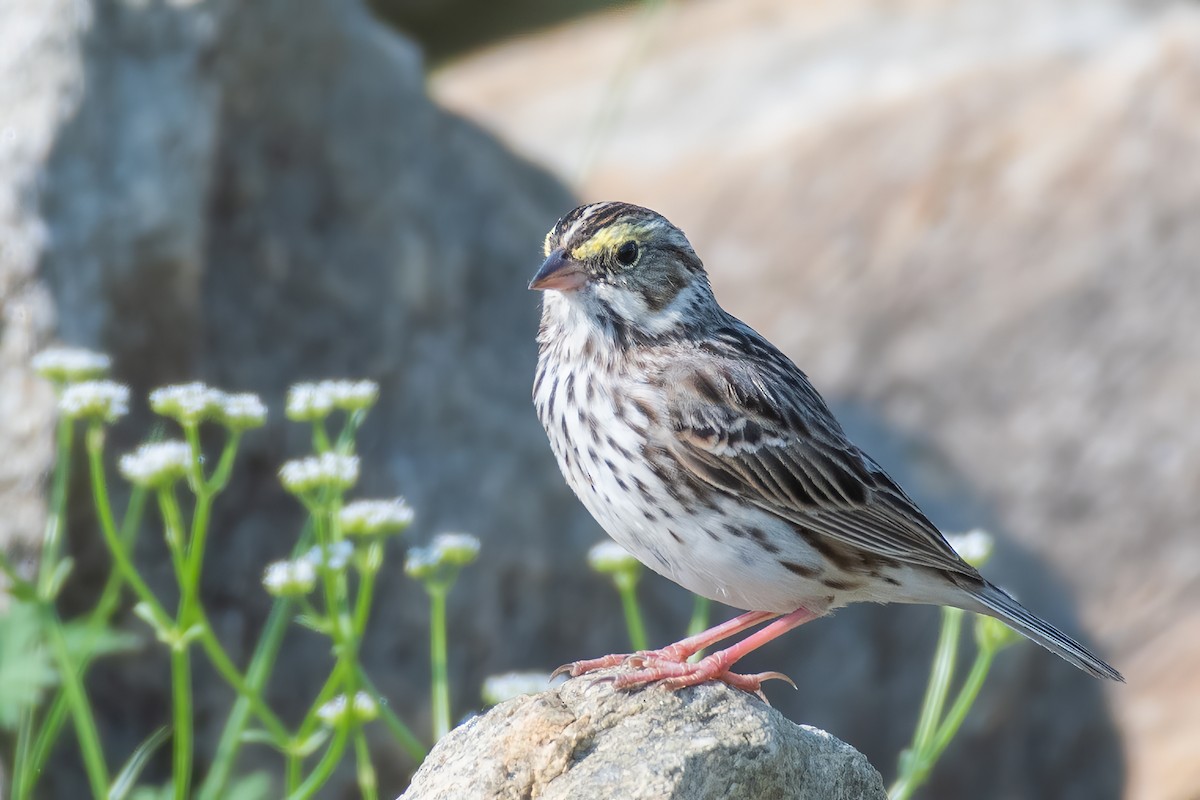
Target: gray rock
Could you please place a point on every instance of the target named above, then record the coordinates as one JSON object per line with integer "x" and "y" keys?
{"x": 585, "y": 740}
{"x": 252, "y": 196}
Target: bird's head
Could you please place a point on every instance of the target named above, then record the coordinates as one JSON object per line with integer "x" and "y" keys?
{"x": 625, "y": 264}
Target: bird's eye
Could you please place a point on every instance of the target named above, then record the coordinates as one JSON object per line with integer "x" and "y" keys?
{"x": 627, "y": 253}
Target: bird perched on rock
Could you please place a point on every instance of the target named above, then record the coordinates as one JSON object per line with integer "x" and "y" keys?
{"x": 707, "y": 454}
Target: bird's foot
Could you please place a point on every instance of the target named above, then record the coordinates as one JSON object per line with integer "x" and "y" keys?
{"x": 672, "y": 654}
{"x": 673, "y": 674}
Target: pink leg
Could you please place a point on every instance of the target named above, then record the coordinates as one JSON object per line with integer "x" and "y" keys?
{"x": 676, "y": 675}
{"x": 674, "y": 653}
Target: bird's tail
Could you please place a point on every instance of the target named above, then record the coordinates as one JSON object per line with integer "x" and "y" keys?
{"x": 998, "y": 603}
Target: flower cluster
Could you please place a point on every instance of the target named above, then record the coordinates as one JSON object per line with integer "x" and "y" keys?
{"x": 313, "y": 402}
{"x": 334, "y": 556}
{"x": 157, "y": 465}
{"x": 102, "y": 401}
{"x": 328, "y": 470}
{"x": 442, "y": 559}
{"x": 290, "y": 578}
{"x": 975, "y": 547}
{"x": 70, "y": 364}
{"x": 339, "y": 711}
{"x": 375, "y": 517}
{"x": 190, "y": 404}
{"x": 609, "y": 558}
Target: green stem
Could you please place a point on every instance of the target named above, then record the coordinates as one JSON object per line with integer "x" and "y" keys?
{"x": 221, "y": 661}
{"x": 627, "y": 587}
{"x": 367, "y": 782}
{"x": 181, "y": 707}
{"x": 52, "y": 540}
{"x": 294, "y": 772}
{"x": 939, "y": 679}
{"x": 97, "y": 621}
{"x": 325, "y": 767}
{"x": 440, "y": 681}
{"x": 22, "y": 767}
{"x": 81, "y": 709}
{"x": 915, "y": 764}
{"x": 261, "y": 665}
{"x": 404, "y": 735}
{"x": 95, "y": 448}
{"x": 701, "y": 606}
{"x": 962, "y": 703}
{"x": 249, "y": 700}
{"x": 181, "y": 666}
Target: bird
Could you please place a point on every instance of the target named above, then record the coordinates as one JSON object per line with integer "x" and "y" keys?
{"x": 705, "y": 452}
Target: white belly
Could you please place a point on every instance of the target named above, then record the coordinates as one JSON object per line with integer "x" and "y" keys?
{"x": 712, "y": 549}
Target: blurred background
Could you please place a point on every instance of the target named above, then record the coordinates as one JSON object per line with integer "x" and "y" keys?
{"x": 972, "y": 222}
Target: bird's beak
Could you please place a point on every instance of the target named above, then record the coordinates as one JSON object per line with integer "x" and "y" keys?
{"x": 559, "y": 272}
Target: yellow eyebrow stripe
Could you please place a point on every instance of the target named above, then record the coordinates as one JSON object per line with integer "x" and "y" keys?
{"x": 609, "y": 238}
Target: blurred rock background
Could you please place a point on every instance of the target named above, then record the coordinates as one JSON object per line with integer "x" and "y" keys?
{"x": 972, "y": 222}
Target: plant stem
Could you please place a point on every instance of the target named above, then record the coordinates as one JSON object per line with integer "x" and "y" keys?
{"x": 31, "y": 765}
{"x": 939, "y": 678}
{"x": 325, "y": 767}
{"x": 404, "y": 735}
{"x": 81, "y": 709}
{"x": 52, "y": 540}
{"x": 366, "y": 772}
{"x": 440, "y": 682}
{"x": 627, "y": 587}
{"x": 95, "y": 448}
{"x": 699, "y": 621}
{"x": 915, "y": 764}
{"x": 962, "y": 703}
{"x": 261, "y": 664}
{"x": 181, "y": 707}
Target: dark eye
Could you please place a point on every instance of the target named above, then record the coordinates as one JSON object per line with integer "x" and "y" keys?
{"x": 627, "y": 253}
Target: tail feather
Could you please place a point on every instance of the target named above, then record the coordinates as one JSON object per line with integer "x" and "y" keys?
{"x": 998, "y": 603}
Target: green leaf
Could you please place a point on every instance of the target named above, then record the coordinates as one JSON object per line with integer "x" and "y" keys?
{"x": 85, "y": 642}
{"x": 25, "y": 668}
{"x": 255, "y": 786}
{"x": 164, "y": 792}
{"x": 128, "y": 776}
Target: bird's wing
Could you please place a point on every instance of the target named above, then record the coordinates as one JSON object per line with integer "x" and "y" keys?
{"x": 756, "y": 428}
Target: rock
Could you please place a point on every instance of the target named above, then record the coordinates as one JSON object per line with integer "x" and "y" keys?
{"x": 584, "y": 740}
{"x": 968, "y": 223}
{"x": 243, "y": 194}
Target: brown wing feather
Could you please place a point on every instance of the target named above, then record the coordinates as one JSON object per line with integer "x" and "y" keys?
{"x": 782, "y": 450}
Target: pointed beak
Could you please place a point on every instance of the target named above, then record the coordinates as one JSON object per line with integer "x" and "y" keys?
{"x": 559, "y": 272}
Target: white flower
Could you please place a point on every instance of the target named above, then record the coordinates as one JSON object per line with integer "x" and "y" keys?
{"x": 364, "y": 706}
{"x": 420, "y": 563}
{"x": 187, "y": 403}
{"x": 334, "y": 470}
{"x": 975, "y": 547}
{"x": 157, "y": 464}
{"x": 242, "y": 411}
{"x": 65, "y": 364}
{"x": 608, "y": 558}
{"x": 333, "y": 711}
{"x": 335, "y": 557}
{"x": 290, "y": 578}
{"x": 362, "y": 709}
{"x": 309, "y": 402}
{"x": 441, "y": 560}
{"x": 455, "y": 549}
{"x": 97, "y": 400}
{"x": 498, "y": 688}
{"x": 373, "y": 517}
